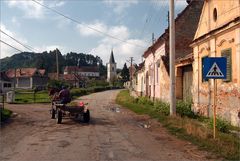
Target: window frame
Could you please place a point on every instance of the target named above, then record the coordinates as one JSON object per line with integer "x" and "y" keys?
{"x": 229, "y": 53}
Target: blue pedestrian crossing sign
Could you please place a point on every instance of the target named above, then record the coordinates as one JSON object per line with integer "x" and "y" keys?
{"x": 215, "y": 68}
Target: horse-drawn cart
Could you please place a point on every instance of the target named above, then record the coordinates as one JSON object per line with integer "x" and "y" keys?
{"x": 60, "y": 111}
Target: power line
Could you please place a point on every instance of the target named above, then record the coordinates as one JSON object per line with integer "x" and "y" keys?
{"x": 27, "y": 47}
{"x": 11, "y": 46}
{"x": 146, "y": 21}
{"x": 78, "y": 22}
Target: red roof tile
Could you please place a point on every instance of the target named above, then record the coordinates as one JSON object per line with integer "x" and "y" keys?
{"x": 24, "y": 72}
{"x": 21, "y": 72}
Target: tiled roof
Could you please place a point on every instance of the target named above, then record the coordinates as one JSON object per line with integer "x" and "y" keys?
{"x": 89, "y": 69}
{"x": 71, "y": 77}
{"x": 53, "y": 76}
{"x": 24, "y": 72}
{"x": 21, "y": 72}
{"x": 165, "y": 36}
{"x": 72, "y": 69}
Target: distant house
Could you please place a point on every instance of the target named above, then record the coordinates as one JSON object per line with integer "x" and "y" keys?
{"x": 87, "y": 71}
{"x": 5, "y": 83}
{"x": 27, "y": 78}
{"x": 140, "y": 80}
{"x": 53, "y": 76}
{"x": 74, "y": 80}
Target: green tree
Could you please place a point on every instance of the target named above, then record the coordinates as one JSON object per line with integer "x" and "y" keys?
{"x": 125, "y": 73}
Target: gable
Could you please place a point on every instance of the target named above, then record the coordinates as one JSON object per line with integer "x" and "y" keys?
{"x": 216, "y": 13}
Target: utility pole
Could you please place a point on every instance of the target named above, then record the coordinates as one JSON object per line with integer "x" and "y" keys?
{"x": 57, "y": 65}
{"x": 15, "y": 75}
{"x": 168, "y": 18}
{"x": 172, "y": 60}
{"x": 131, "y": 62}
{"x": 153, "y": 39}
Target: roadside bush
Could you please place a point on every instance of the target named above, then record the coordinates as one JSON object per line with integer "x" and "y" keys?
{"x": 145, "y": 101}
{"x": 57, "y": 84}
{"x": 162, "y": 107}
{"x": 5, "y": 114}
{"x": 98, "y": 88}
{"x": 184, "y": 109}
{"x": 93, "y": 83}
{"x": 221, "y": 124}
{"x": 78, "y": 92}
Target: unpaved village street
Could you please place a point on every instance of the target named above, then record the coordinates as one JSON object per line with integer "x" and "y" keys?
{"x": 113, "y": 134}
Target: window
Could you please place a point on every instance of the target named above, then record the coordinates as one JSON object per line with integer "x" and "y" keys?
{"x": 228, "y": 54}
{"x": 203, "y": 80}
{"x": 7, "y": 85}
{"x": 113, "y": 69}
{"x": 215, "y": 14}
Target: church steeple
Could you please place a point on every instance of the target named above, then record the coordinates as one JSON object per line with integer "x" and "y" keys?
{"x": 111, "y": 69}
{"x": 111, "y": 60}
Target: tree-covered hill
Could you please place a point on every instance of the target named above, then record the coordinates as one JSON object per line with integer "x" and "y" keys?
{"x": 47, "y": 60}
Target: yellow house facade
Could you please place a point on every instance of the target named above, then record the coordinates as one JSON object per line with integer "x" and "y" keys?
{"x": 218, "y": 35}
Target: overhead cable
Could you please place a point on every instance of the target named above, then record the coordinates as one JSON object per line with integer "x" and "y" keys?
{"x": 27, "y": 47}
{"x": 11, "y": 46}
{"x": 78, "y": 22}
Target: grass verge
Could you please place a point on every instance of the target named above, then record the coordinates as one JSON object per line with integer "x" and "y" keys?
{"x": 25, "y": 97}
{"x": 194, "y": 129}
{"x": 5, "y": 114}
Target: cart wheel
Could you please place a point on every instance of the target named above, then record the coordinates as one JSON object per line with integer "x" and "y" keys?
{"x": 53, "y": 113}
{"x": 59, "y": 116}
{"x": 86, "y": 117}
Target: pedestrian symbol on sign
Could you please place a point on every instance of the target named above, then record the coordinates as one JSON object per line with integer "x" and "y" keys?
{"x": 215, "y": 71}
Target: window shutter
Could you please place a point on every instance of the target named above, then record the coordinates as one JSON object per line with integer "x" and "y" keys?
{"x": 228, "y": 54}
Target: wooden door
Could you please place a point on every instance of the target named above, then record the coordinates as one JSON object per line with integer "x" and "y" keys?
{"x": 147, "y": 84}
{"x": 187, "y": 82}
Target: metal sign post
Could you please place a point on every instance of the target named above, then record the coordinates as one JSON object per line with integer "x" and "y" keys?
{"x": 215, "y": 68}
{"x": 214, "y": 108}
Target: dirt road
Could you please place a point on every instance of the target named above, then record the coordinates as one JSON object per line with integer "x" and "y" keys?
{"x": 114, "y": 134}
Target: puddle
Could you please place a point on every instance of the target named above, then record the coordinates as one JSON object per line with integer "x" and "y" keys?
{"x": 144, "y": 125}
{"x": 114, "y": 109}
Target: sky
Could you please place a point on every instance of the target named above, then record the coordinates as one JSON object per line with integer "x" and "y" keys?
{"x": 84, "y": 26}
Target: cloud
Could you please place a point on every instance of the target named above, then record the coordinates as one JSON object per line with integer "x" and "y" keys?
{"x": 99, "y": 29}
{"x": 15, "y": 21}
{"x": 122, "y": 50}
{"x": 30, "y": 8}
{"x": 7, "y": 50}
{"x": 57, "y": 3}
{"x": 87, "y": 29}
{"x": 119, "y": 6}
{"x": 164, "y": 3}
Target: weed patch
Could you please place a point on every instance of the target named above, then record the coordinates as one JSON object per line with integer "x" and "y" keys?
{"x": 187, "y": 125}
{"x": 5, "y": 114}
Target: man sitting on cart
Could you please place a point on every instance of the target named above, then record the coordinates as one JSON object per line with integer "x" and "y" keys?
{"x": 64, "y": 95}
